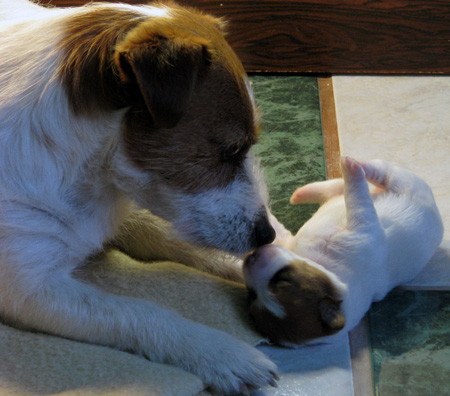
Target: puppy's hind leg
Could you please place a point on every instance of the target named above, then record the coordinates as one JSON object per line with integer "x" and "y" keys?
{"x": 393, "y": 178}
{"x": 318, "y": 192}
{"x": 359, "y": 204}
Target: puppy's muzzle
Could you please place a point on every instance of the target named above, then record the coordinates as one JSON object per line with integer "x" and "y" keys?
{"x": 263, "y": 232}
{"x": 261, "y": 256}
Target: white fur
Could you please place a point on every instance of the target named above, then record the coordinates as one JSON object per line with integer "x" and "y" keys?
{"x": 366, "y": 244}
{"x": 65, "y": 188}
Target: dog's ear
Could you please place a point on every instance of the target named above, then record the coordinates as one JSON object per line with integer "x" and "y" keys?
{"x": 331, "y": 314}
{"x": 166, "y": 67}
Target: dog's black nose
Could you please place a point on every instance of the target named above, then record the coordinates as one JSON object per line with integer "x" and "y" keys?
{"x": 264, "y": 233}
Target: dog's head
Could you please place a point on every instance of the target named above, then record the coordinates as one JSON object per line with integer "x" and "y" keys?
{"x": 291, "y": 299}
{"x": 190, "y": 124}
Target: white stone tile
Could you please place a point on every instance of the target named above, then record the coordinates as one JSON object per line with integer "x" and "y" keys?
{"x": 311, "y": 370}
{"x": 405, "y": 120}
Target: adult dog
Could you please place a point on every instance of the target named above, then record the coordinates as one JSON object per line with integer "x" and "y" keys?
{"x": 102, "y": 108}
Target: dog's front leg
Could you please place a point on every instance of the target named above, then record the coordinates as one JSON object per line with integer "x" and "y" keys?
{"x": 38, "y": 291}
{"x": 146, "y": 237}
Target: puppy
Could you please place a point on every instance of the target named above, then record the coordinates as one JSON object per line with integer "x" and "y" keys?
{"x": 317, "y": 286}
{"x": 106, "y": 109}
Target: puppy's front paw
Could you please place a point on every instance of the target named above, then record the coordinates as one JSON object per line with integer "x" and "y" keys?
{"x": 230, "y": 366}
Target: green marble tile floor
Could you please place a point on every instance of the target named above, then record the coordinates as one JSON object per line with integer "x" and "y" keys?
{"x": 291, "y": 143}
{"x": 409, "y": 330}
{"x": 410, "y": 342}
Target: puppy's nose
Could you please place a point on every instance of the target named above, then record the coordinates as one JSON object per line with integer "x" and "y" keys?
{"x": 264, "y": 233}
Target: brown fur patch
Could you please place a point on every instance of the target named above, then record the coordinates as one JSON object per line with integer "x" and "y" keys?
{"x": 166, "y": 65}
{"x": 191, "y": 120}
{"x": 87, "y": 69}
{"x": 310, "y": 301}
{"x": 208, "y": 145}
{"x": 199, "y": 128}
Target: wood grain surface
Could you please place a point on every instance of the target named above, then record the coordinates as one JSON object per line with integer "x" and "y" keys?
{"x": 361, "y": 360}
{"x": 335, "y": 36}
{"x": 329, "y": 128}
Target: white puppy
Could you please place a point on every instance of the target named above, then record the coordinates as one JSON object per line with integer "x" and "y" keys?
{"x": 355, "y": 249}
{"x": 109, "y": 107}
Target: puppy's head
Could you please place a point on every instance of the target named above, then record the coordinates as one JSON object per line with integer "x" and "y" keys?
{"x": 190, "y": 124}
{"x": 291, "y": 299}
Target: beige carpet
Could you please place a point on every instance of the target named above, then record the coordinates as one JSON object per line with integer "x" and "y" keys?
{"x": 38, "y": 364}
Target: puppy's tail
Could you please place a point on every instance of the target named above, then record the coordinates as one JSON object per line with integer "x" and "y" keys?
{"x": 318, "y": 192}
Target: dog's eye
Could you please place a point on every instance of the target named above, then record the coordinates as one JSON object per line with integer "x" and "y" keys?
{"x": 232, "y": 152}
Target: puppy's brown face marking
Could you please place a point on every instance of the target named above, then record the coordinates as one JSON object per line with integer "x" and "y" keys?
{"x": 310, "y": 301}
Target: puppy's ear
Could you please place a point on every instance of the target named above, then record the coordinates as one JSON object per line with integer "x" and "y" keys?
{"x": 331, "y": 314}
{"x": 166, "y": 66}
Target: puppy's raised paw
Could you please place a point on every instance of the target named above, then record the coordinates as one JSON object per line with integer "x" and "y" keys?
{"x": 351, "y": 166}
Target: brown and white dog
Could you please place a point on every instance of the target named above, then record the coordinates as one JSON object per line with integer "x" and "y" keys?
{"x": 104, "y": 108}
{"x": 317, "y": 285}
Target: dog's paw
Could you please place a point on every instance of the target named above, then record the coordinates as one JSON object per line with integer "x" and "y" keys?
{"x": 229, "y": 366}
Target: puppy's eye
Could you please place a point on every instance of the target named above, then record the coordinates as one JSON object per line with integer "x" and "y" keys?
{"x": 281, "y": 279}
